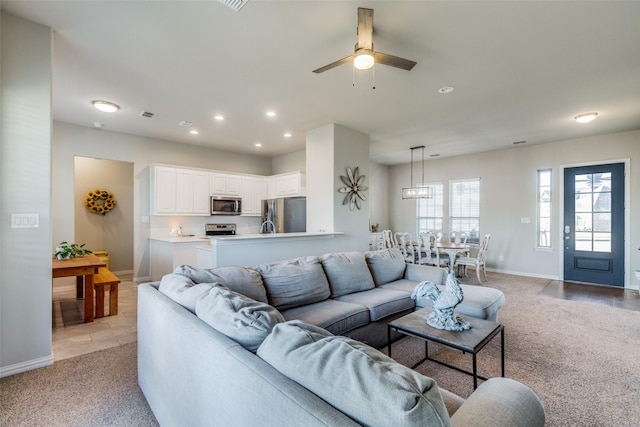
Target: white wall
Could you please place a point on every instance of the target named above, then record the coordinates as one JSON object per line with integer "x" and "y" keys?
{"x": 329, "y": 151}
{"x": 295, "y": 161}
{"x": 378, "y": 195}
{"x": 508, "y": 193}
{"x": 25, "y": 253}
{"x": 69, "y": 141}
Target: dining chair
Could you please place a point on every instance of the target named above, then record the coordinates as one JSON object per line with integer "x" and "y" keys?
{"x": 459, "y": 237}
{"x": 425, "y": 255}
{"x": 387, "y": 239}
{"x": 405, "y": 244}
{"x": 478, "y": 262}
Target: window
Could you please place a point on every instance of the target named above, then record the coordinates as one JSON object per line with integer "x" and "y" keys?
{"x": 544, "y": 208}
{"x": 430, "y": 211}
{"x": 464, "y": 208}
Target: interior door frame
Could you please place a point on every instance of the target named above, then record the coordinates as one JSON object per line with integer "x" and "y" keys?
{"x": 627, "y": 214}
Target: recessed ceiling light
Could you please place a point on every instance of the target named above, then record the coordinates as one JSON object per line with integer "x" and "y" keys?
{"x": 586, "y": 117}
{"x": 186, "y": 123}
{"x": 446, "y": 89}
{"x": 193, "y": 132}
{"x": 287, "y": 135}
{"x": 105, "y": 106}
{"x": 219, "y": 117}
{"x": 271, "y": 113}
{"x": 258, "y": 144}
{"x": 98, "y": 125}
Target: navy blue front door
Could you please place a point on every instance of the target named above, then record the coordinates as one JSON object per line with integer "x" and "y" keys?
{"x": 593, "y": 232}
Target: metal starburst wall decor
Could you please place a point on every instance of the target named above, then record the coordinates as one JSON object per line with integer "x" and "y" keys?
{"x": 354, "y": 189}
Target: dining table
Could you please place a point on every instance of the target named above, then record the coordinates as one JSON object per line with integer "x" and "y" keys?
{"x": 452, "y": 249}
{"x": 83, "y": 268}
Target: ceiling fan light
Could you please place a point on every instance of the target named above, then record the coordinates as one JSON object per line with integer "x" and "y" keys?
{"x": 363, "y": 59}
{"x": 586, "y": 117}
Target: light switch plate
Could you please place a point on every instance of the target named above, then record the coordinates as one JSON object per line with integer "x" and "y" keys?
{"x": 28, "y": 220}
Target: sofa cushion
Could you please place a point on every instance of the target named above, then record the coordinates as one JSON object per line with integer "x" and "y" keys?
{"x": 381, "y": 302}
{"x": 335, "y": 316}
{"x": 244, "y": 320}
{"x": 244, "y": 280}
{"x": 183, "y": 290}
{"x": 359, "y": 380}
{"x": 347, "y": 272}
{"x": 386, "y": 265}
{"x": 295, "y": 282}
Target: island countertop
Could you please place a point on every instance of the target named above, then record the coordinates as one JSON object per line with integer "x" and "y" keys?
{"x": 272, "y": 236}
{"x": 254, "y": 249}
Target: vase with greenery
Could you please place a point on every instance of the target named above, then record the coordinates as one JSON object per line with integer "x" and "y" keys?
{"x": 71, "y": 250}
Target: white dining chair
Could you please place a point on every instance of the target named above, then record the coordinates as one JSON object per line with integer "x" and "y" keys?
{"x": 478, "y": 262}
{"x": 405, "y": 245}
{"x": 425, "y": 255}
{"x": 388, "y": 240}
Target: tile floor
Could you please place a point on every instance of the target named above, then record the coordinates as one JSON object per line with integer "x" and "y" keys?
{"x": 76, "y": 337}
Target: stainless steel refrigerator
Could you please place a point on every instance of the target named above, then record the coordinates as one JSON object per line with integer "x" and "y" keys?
{"x": 285, "y": 215}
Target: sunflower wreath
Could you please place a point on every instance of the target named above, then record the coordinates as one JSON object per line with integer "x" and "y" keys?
{"x": 99, "y": 201}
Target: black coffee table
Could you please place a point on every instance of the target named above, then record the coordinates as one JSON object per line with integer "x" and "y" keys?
{"x": 469, "y": 341}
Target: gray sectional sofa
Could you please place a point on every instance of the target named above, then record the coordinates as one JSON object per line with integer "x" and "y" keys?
{"x": 284, "y": 344}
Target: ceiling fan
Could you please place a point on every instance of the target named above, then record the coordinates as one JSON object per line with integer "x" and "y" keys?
{"x": 364, "y": 56}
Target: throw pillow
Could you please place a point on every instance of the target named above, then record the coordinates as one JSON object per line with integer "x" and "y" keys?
{"x": 244, "y": 280}
{"x": 359, "y": 380}
{"x": 386, "y": 265}
{"x": 183, "y": 290}
{"x": 244, "y": 320}
{"x": 347, "y": 273}
{"x": 295, "y": 282}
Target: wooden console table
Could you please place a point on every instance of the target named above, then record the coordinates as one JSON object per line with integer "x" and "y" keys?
{"x": 83, "y": 268}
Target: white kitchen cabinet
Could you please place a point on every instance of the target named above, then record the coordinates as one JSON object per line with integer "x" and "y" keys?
{"x": 226, "y": 185}
{"x": 201, "y": 193}
{"x": 254, "y": 190}
{"x": 177, "y": 191}
{"x": 286, "y": 185}
{"x": 163, "y": 190}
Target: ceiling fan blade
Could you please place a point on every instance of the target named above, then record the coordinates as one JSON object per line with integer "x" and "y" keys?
{"x": 393, "y": 61}
{"x": 365, "y": 28}
{"x": 334, "y": 64}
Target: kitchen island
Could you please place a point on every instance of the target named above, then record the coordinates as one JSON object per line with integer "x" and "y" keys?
{"x": 254, "y": 249}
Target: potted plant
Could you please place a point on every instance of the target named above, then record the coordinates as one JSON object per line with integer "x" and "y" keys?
{"x": 65, "y": 250}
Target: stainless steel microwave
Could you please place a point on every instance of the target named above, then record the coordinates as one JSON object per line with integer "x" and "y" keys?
{"x": 225, "y": 205}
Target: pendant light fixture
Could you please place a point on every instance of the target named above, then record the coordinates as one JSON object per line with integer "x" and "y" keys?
{"x": 421, "y": 191}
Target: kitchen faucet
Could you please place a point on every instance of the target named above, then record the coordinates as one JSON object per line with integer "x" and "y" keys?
{"x": 267, "y": 222}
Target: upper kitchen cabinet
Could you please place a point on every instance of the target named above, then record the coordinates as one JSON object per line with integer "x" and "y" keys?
{"x": 225, "y": 184}
{"x": 176, "y": 191}
{"x": 254, "y": 190}
{"x": 286, "y": 185}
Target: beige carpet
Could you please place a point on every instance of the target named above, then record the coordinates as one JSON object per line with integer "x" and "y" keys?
{"x": 96, "y": 389}
{"x": 580, "y": 358}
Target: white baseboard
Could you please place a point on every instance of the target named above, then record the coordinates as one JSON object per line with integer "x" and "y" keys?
{"x": 142, "y": 279}
{"x": 28, "y": 365}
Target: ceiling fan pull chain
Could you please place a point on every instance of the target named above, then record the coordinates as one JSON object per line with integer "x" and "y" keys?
{"x": 373, "y": 75}
{"x": 353, "y": 75}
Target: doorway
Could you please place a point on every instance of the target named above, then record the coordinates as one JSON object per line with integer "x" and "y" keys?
{"x": 594, "y": 224}
{"x": 113, "y": 230}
